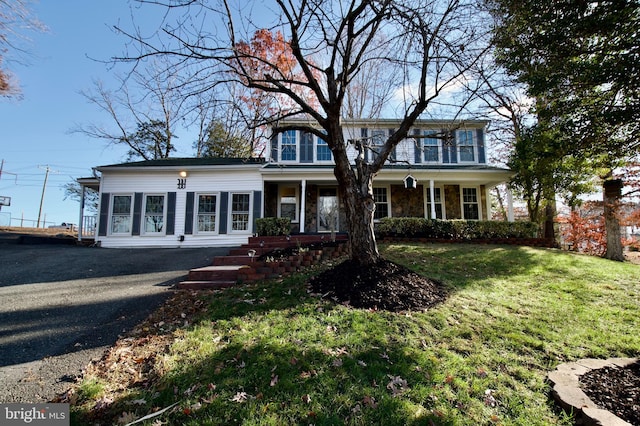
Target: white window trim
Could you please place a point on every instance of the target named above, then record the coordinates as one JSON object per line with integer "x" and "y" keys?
{"x": 427, "y": 204}
{"x": 315, "y": 152}
{"x": 111, "y": 205}
{"x": 297, "y": 195}
{"x": 297, "y": 147}
{"x": 421, "y": 144}
{"x": 230, "y": 229}
{"x": 196, "y": 199}
{"x": 143, "y": 217}
{"x": 474, "y": 141}
{"x": 478, "y": 202}
{"x": 388, "y": 189}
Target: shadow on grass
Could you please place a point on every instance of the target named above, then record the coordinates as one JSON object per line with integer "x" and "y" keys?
{"x": 271, "y": 354}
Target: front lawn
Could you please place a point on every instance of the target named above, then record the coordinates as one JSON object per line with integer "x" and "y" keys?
{"x": 272, "y": 354}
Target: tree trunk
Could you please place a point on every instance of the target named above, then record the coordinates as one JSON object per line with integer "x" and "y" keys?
{"x": 356, "y": 194}
{"x": 612, "y": 192}
{"x": 549, "y": 219}
{"x": 359, "y": 207}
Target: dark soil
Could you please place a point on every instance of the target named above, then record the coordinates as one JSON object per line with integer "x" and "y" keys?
{"x": 384, "y": 286}
{"x": 616, "y": 390}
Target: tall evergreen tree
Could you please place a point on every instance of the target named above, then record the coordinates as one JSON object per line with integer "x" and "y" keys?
{"x": 582, "y": 59}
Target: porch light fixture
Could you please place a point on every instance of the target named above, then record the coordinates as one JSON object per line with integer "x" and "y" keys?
{"x": 183, "y": 174}
{"x": 410, "y": 182}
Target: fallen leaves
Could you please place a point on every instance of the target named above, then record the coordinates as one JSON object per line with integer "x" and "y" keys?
{"x": 397, "y": 385}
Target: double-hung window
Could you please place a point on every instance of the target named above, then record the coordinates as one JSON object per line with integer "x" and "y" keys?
{"x": 437, "y": 203}
{"x": 154, "y": 214}
{"x": 288, "y": 146}
{"x": 470, "y": 204}
{"x": 323, "y": 153}
{"x": 378, "y": 138}
{"x": 431, "y": 146}
{"x": 240, "y": 212}
{"x": 289, "y": 203}
{"x": 121, "y": 214}
{"x": 466, "y": 146}
{"x": 207, "y": 212}
{"x": 382, "y": 203}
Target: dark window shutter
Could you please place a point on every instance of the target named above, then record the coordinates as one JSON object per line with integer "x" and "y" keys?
{"x": 104, "y": 214}
{"x": 188, "y": 214}
{"x": 306, "y": 147}
{"x": 481, "y": 150}
{"x": 274, "y": 147}
{"x": 224, "y": 211}
{"x": 257, "y": 208}
{"x": 137, "y": 213}
{"x": 171, "y": 213}
{"x": 363, "y": 135}
{"x": 417, "y": 157}
{"x": 394, "y": 152}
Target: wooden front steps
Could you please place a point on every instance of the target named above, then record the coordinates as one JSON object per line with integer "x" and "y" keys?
{"x": 269, "y": 260}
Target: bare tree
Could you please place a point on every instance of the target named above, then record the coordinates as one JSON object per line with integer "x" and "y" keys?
{"x": 15, "y": 19}
{"x": 429, "y": 44}
{"x": 145, "y": 110}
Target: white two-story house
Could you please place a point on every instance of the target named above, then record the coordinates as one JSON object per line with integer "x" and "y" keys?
{"x": 439, "y": 171}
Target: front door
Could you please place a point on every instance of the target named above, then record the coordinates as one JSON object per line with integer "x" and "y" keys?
{"x": 328, "y": 211}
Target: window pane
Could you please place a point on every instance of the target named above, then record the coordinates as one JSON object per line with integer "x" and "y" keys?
{"x": 470, "y": 204}
{"x": 240, "y": 212}
{"x": 289, "y": 145}
{"x": 288, "y": 211}
{"x": 206, "y": 219}
{"x": 465, "y": 142}
{"x": 430, "y": 146}
{"x": 154, "y": 213}
{"x": 121, "y": 214}
{"x": 207, "y": 203}
{"x": 382, "y": 205}
{"x": 122, "y": 204}
{"x": 323, "y": 153}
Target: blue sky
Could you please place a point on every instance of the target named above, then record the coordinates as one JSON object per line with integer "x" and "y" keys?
{"x": 36, "y": 130}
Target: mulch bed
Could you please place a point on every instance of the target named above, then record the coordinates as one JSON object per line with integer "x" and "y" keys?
{"x": 383, "y": 286}
{"x": 616, "y": 390}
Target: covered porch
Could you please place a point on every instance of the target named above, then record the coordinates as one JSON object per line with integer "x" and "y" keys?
{"x": 312, "y": 201}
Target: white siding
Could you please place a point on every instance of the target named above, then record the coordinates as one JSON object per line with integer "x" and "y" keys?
{"x": 162, "y": 182}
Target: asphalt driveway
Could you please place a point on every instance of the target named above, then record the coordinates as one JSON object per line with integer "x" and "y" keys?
{"x": 63, "y": 305}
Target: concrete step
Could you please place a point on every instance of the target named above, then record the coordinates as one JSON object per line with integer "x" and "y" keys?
{"x": 213, "y": 273}
{"x": 205, "y": 285}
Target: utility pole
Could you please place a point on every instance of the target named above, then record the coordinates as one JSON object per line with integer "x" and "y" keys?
{"x": 44, "y": 187}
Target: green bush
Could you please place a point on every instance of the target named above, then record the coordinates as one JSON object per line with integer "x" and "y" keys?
{"x": 273, "y": 226}
{"x": 454, "y": 229}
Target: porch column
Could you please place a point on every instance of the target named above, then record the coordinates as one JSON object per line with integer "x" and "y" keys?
{"x": 303, "y": 204}
{"x": 81, "y": 220}
{"x": 509, "y": 205}
{"x": 432, "y": 195}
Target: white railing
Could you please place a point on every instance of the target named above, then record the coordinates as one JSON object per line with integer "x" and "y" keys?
{"x": 88, "y": 229}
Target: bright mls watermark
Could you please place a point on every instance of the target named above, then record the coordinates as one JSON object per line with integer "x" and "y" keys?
{"x": 34, "y": 414}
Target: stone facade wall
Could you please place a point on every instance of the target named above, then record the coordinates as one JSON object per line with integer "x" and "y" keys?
{"x": 407, "y": 202}
{"x": 452, "y": 201}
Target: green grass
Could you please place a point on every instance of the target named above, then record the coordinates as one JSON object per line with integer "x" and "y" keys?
{"x": 271, "y": 354}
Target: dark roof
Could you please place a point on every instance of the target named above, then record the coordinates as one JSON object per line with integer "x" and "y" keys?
{"x": 187, "y": 162}
{"x": 395, "y": 167}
